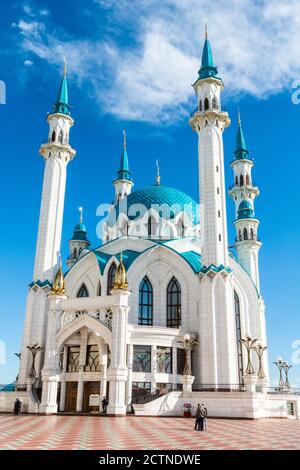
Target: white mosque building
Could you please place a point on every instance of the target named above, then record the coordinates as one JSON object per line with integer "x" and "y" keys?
{"x": 161, "y": 316}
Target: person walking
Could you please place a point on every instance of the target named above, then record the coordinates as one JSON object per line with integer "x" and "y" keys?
{"x": 197, "y": 417}
{"x": 104, "y": 405}
{"x": 17, "y": 406}
{"x": 205, "y": 417}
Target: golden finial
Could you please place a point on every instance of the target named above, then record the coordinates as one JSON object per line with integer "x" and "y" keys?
{"x": 157, "y": 172}
{"x": 80, "y": 212}
{"x": 65, "y": 66}
{"x": 58, "y": 286}
{"x": 120, "y": 276}
{"x": 239, "y": 117}
{"x": 124, "y": 139}
{"x": 206, "y": 31}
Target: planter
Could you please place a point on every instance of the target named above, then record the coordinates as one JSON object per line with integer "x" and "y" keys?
{"x": 187, "y": 414}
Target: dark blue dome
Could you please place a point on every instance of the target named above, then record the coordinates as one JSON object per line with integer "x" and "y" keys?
{"x": 245, "y": 210}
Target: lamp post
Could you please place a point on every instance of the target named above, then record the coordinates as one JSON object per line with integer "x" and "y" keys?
{"x": 19, "y": 357}
{"x": 280, "y": 365}
{"x": 286, "y": 368}
{"x": 260, "y": 349}
{"x": 188, "y": 342}
{"x": 249, "y": 344}
{"x": 34, "y": 349}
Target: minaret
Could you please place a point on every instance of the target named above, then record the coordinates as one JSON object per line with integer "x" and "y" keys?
{"x": 57, "y": 153}
{"x": 123, "y": 183}
{"x": 209, "y": 121}
{"x": 243, "y": 192}
{"x": 79, "y": 241}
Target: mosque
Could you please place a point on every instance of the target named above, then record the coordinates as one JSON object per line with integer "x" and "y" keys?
{"x": 161, "y": 316}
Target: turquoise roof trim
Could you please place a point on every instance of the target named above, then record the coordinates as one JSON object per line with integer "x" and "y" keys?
{"x": 156, "y": 196}
{"x": 216, "y": 269}
{"x": 193, "y": 259}
{"x": 207, "y": 68}
{"x": 40, "y": 283}
{"x": 8, "y": 388}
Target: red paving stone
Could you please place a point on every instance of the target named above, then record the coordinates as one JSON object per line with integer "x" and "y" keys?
{"x": 145, "y": 433}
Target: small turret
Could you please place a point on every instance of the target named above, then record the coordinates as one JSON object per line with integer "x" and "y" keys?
{"x": 79, "y": 241}
{"x": 123, "y": 183}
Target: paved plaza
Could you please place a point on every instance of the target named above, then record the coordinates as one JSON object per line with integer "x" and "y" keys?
{"x": 146, "y": 433}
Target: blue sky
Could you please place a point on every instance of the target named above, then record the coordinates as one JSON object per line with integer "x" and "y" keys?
{"x": 130, "y": 65}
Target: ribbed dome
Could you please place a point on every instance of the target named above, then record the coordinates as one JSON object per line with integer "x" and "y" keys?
{"x": 158, "y": 195}
{"x": 80, "y": 232}
{"x": 245, "y": 210}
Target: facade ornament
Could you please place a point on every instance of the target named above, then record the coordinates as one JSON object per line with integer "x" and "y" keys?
{"x": 58, "y": 287}
{"x": 188, "y": 343}
{"x": 260, "y": 349}
{"x": 280, "y": 365}
{"x": 34, "y": 349}
{"x": 121, "y": 276}
{"x": 249, "y": 344}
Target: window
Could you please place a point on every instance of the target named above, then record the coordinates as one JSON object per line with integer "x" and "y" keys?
{"x": 152, "y": 226}
{"x": 180, "y": 361}
{"x": 217, "y": 168}
{"x": 53, "y": 136}
{"x": 214, "y": 103}
{"x": 200, "y": 106}
{"x": 220, "y": 238}
{"x": 238, "y": 336}
{"x": 145, "y": 302}
{"x": 240, "y": 235}
{"x": 140, "y": 392}
{"x": 218, "y": 191}
{"x": 75, "y": 253}
{"x": 252, "y": 233}
{"x": 92, "y": 359}
{"x": 180, "y": 228}
{"x": 60, "y": 137}
{"x": 236, "y": 181}
{"x": 206, "y": 104}
{"x": 245, "y": 234}
{"x": 83, "y": 292}
{"x": 73, "y": 359}
{"x": 241, "y": 180}
{"x": 99, "y": 289}
{"x": 219, "y": 214}
{"x": 111, "y": 277}
{"x": 141, "y": 359}
{"x": 247, "y": 180}
{"x": 174, "y": 304}
{"x": 164, "y": 360}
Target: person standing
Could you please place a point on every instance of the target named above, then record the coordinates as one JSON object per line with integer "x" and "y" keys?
{"x": 197, "y": 417}
{"x": 17, "y": 406}
{"x": 104, "y": 405}
{"x": 205, "y": 417}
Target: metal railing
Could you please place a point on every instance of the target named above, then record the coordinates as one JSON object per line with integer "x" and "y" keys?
{"x": 238, "y": 186}
{"x": 147, "y": 398}
{"x": 218, "y": 388}
{"x": 285, "y": 391}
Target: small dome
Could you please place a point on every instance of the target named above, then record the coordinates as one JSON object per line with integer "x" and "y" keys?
{"x": 160, "y": 195}
{"x": 245, "y": 210}
{"x": 80, "y": 232}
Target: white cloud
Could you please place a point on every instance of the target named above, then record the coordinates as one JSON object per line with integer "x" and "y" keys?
{"x": 255, "y": 45}
{"x": 28, "y": 63}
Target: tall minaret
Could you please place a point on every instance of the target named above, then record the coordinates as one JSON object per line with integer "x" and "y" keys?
{"x": 123, "y": 183}
{"x": 244, "y": 192}
{"x": 209, "y": 121}
{"x": 57, "y": 153}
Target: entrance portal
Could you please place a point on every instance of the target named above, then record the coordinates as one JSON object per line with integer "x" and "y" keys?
{"x": 91, "y": 388}
{"x": 71, "y": 396}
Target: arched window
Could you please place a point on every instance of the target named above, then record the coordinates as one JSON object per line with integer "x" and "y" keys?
{"x": 245, "y": 234}
{"x": 214, "y": 103}
{"x": 236, "y": 181}
{"x": 252, "y": 233}
{"x": 247, "y": 179}
{"x": 200, "y": 106}
{"x": 152, "y": 226}
{"x": 75, "y": 253}
{"x": 238, "y": 336}
{"x": 53, "y": 136}
{"x": 99, "y": 289}
{"x": 60, "y": 137}
{"x": 240, "y": 235}
{"x": 83, "y": 292}
{"x": 206, "y": 104}
{"x": 111, "y": 277}
{"x": 145, "y": 302}
{"x": 174, "y": 304}
{"x": 241, "y": 180}
{"x": 180, "y": 228}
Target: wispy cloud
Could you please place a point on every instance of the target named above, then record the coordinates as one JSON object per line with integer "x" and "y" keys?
{"x": 148, "y": 79}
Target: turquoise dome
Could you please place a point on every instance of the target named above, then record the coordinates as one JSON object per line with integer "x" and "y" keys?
{"x": 157, "y": 194}
{"x": 245, "y": 210}
{"x": 80, "y": 232}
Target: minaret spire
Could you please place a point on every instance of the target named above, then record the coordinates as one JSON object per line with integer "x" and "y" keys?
{"x": 123, "y": 183}
{"x": 80, "y": 209}
{"x": 62, "y": 101}
{"x": 157, "y": 172}
{"x": 207, "y": 69}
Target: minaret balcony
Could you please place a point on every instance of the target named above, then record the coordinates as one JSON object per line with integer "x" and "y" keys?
{"x": 209, "y": 116}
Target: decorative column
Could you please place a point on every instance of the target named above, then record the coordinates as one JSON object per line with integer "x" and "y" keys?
{"x": 129, "y": 379}
{"x": 63, "y": 388}
{"x": 79, "y": 391}
{"x": 118, "y": 371}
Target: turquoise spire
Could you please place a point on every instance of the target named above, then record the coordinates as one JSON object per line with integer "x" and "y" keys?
{"x": 207, "y": 68}
{"x": 62, "y": 100}
{"x": 124, "y": 173}
{"x": 241, "y": 150}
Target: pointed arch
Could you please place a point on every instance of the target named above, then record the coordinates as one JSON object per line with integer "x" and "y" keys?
{"x": 206, "y": 104}
{"x": 241, "y": 180}
{"x": 245, "y": 234}
{"x": 236, "y": 181}
{"x": 173, "y": 304}
{"x": 214, "y": 103}
{"x": 152, "y": 226}
{"x": 247, "y": 179}
{"x": 251, "y": 233}
{"x": 145, "y": 302}
{"x": 83, "y": 291}
{"x": 53, "y": 136}
{"x": 111, "y": 277}
{"x": 99, "y": 289}
{"x": 60, "y": 137}
{"x": 200, "y": 106}
{"x": 240, "y": 235}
